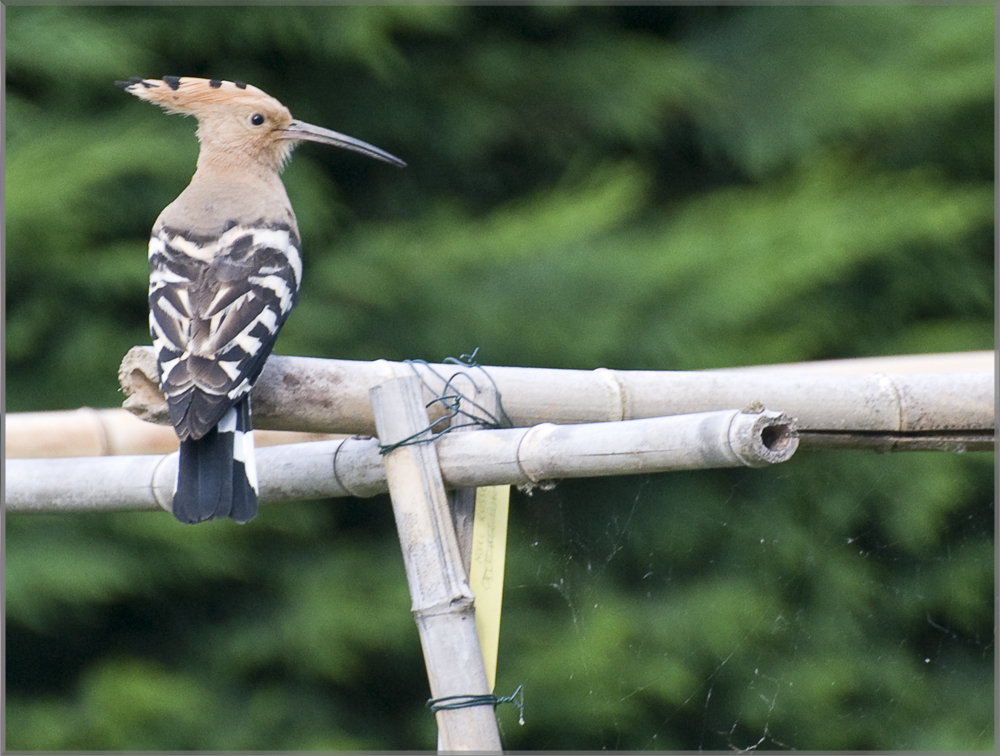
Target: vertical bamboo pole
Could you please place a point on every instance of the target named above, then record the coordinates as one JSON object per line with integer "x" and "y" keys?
{"x": 442, "y": 600}
{"x": 463, "y": 500}
{"x": 478, "y": 403}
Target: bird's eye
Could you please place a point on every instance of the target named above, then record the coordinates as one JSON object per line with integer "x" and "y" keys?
{"x": 257, "y": 119}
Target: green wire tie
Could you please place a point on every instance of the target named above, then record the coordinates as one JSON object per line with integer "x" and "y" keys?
{"x": 465, "y": 701}
{"x": 452, "y": 400}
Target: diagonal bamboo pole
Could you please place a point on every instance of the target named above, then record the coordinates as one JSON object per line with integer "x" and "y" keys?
{"x": 442, "y": 599}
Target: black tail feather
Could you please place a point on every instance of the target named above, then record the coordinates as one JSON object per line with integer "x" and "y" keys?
{"x": 244, "y": 499}
{"x": 216, "y": 474}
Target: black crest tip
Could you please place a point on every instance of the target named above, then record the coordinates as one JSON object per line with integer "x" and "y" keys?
{"x": 132, "y": 80}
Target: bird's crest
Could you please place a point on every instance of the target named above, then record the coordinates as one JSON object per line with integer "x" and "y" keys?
{"x": 238, "y": 124}
{"x": 191, "y": 96}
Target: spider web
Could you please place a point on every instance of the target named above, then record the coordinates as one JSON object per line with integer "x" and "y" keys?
{"x": 753, "y": 610}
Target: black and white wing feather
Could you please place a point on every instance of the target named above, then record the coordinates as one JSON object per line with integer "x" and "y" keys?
{"x": 216, "y": 306}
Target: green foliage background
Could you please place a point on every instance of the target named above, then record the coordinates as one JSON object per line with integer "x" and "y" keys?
{"x": 630, "y": 187}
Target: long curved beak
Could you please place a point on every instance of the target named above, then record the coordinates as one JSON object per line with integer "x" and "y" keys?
{"x": 306, "y": 132}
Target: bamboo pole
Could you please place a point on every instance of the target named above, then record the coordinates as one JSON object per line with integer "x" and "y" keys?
{"x": 514, "y": 456}
{"x": 89, "y": 484}
{"x": 948, "y": 362}
{"x": 442, "y": 600}
{"x": 87, "y": 432}
{"x": 885, "y": 411}
{"x": 478, "y": 403}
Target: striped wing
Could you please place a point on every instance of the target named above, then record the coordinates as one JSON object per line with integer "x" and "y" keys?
{"x": 216, "y": 306}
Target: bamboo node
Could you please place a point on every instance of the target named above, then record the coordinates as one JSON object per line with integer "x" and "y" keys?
{"x": 343, "y": 480}
{"x": 462, "y": 604}
{"x": 616, "y": 401}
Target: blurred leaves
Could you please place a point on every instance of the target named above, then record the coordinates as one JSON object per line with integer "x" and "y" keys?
{"x": 885, "y": 76}
{"x": 657, "y": 187}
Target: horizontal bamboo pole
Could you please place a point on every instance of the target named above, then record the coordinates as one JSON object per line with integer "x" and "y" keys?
{"x": 87, "y": 432}
{"x": 354, "y": 466}
{"x": 947, "y": 362}
{"x": 951, "y": 411}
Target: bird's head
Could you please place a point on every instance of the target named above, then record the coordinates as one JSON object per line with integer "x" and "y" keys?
{"x": 238, "y": 122}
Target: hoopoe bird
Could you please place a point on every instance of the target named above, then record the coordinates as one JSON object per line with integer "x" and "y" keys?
{"x": 224, "y": 273}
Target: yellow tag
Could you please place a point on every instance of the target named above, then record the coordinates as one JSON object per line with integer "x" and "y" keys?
{"x": 489, "y": 548}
